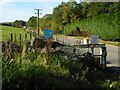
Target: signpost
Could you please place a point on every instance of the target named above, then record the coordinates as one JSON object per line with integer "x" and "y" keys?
{"x": 94, "y": 39}
{"x": 48, "y": 34}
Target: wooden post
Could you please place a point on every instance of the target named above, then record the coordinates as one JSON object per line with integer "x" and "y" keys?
{"x": 104, "y": 54}
{"x": 8, "y": 49}
{"x": 48, "y": 46}
{"x": 20, "y": 39}
{"x": 10, "y": 45}
{"x": 20, "y": 49}
{"x": 11, "y": 37}
{"x": 15, "y": 39}
{"x": 25, "y": 37}
{"x": 92, "y": 50}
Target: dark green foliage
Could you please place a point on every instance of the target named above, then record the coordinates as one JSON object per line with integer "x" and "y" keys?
{"x": 100, "y": 18}
{"x": 31, "y": 76}
{"x": 106, "y": 26}
{"x": 31, "y": 56}
{"x": 19, "y": 23}
{"x": 46, "y": 21}
{"x": 59, "y": 73}
{"x": 32, "y": 22}
{"x": 7, "y": 23}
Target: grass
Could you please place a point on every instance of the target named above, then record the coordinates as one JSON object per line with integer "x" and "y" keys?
{"x": 36, "y": 71}
{"x": 6, "y": 30}
{"x": 33, "y": 74}
{"x": 110, "y": 43}
{"x": 57, "y": 74}
{"x": 106, "y": 26}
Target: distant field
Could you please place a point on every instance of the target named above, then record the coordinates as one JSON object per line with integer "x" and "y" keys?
{"x": 6, "y": 30}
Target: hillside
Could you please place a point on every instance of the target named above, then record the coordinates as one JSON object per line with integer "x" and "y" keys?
{"x": 106, "y": 26}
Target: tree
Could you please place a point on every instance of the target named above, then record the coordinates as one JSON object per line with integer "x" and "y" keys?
{"x": 56, "y": 21}
{"x": 19, "y": 23}
{"x": 32, "y": 22}
{"x": 46, "y": 21}
{"x": 84, "y": 11}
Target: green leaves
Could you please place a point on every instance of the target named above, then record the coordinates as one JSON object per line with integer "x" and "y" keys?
{"x": 32, "y": 22}
{"x": 67, "y": 14}
{"x": 106, "y": 26}
{"x": 111, "y": 85}
{"x": 32, "y": 56}
{"x": 19, "y": 23}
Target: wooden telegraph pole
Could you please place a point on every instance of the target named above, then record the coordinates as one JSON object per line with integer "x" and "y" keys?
{"x": 38, "y": 10}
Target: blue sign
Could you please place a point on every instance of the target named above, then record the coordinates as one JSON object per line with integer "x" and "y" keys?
{"x": 48, "y": 34}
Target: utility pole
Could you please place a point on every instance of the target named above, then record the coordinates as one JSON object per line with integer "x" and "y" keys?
{"x": 38, "y": 10}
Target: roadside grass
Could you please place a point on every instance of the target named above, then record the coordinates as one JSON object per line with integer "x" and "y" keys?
{"x": 6, "y": 30}
{"x": 110, "y": 42}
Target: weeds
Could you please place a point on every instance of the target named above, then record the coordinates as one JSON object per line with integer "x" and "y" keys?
{"x": 38, "y": 71}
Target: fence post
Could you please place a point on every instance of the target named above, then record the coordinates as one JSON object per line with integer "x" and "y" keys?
{"x": 15, "y": 39}
{"x": 20, "y": 48}
{"x": 11, "y": 37}
{"x": 104, "y": 54}
{"x": 20, "y": 39}
{"x": 25, "y": 37}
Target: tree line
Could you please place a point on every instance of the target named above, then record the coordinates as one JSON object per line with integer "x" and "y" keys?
{"x": 16, "y": 23}
{"x": 67, "y": 13}
{"x": 70, "y": 12}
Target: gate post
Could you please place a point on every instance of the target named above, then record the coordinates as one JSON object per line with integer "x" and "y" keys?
{"x": 104, "y": 54}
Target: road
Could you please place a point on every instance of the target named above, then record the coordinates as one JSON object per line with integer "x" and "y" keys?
{"x": 113, "y": 58}
{"x": 113, "y": 55}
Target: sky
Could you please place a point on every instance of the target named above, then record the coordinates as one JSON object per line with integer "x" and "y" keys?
{"x": 11, "y": 10}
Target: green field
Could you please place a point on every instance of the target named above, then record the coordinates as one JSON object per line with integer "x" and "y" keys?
{"x": 6, "y": 30}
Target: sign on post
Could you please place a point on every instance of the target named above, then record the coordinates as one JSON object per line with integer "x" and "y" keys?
{"x": 46, "y": 28}
{"x": 94, "y": 39}
{"x": 48, "y": 34}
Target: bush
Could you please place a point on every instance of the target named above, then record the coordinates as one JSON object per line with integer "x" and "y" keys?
{"x": 111, "y": 85}
{"x": 59, "y": 73}
{"x": 106, "y": 26}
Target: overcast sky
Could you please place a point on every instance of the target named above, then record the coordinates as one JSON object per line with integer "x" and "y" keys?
{"x": 11, "y": 10}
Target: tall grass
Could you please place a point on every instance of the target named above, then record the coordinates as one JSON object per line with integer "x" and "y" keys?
{"x": 35, "y": 71}
{"x": 36, "y": 74}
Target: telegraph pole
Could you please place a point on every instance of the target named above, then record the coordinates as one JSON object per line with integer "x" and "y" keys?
{"x": 38, "y": 10}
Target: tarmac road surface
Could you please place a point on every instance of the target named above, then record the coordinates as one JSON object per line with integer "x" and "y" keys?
{"x": 113, "y": 58}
